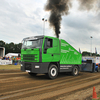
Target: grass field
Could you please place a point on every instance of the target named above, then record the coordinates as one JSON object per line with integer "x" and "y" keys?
{"x": 99, "y": 97}
{"x": 9, "y": 67}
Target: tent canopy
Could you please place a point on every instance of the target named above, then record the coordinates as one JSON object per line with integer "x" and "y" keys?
{"x": 12, "y": 54}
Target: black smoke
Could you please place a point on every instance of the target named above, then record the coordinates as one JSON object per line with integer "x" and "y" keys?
{"x": 89, "y": 4}
{"x": 57, "y": 9}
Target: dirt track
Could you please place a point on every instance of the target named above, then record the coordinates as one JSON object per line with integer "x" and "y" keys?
{"x": 20, "y": 85}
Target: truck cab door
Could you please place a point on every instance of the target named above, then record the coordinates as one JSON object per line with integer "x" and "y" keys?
{"x": 47, "y": 54}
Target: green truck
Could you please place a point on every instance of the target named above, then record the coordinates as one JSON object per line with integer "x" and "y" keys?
{"x": 50, "y": 56}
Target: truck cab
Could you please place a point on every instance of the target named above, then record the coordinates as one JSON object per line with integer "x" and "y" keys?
{"x": 38, "y": 52}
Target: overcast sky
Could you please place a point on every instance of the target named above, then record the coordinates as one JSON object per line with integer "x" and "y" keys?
{"x": 23, "y": 18}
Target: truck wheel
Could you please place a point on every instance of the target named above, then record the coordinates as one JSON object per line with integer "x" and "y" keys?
{"x": 53, "y": 71}
{"x": 32, "y": 74}
{"x": 75, "y": 71}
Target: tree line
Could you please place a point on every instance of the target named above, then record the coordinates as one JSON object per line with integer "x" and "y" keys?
{"x": 85, "y": 53}
{"x": 11, "y": 47}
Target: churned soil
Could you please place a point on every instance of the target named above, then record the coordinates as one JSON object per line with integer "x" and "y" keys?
{"x": 17, "y": 85}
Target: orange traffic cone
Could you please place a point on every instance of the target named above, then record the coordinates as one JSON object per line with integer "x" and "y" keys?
{"x": 94, "y": 96}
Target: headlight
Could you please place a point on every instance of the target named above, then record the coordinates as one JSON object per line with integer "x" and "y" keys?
{"x": 37, "y": 66}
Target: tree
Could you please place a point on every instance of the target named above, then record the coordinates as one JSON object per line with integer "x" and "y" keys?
{"x": 2, "y": 43}
{"x": 85, "y": 53}
{"x": 11, "y": 47}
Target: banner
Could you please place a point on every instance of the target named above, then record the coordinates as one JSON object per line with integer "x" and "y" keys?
{"x": 97, "y": 59}
{"x": 5, "y": 62}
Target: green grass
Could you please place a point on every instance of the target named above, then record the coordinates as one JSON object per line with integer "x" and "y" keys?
{"x": 99, "y": 97}
{"x": 9, "y": 67}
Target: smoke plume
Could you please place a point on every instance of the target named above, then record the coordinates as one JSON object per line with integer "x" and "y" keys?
{"x": 57, "y": 9}
{"x": 88, "y": 4}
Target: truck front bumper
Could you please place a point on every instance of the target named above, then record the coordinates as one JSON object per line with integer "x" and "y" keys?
{"x": 35, "y": 67}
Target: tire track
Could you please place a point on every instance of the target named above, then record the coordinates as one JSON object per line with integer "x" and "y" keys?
{"x": 32, "y": 83}
{"x": 20, "y": 85}
{"x": 49, "y": 87}
{"x": 42, "y": 93}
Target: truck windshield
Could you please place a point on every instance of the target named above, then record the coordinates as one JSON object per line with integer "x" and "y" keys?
{"x": 29, "y": 44}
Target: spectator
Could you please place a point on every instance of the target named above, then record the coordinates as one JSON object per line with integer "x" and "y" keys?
{"x": 0, "y": 58}
{"x": 13, "y": 59}
{"x": 4, "y": 58}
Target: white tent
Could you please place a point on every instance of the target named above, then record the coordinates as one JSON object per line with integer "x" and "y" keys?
{"x": 12, "y": 54}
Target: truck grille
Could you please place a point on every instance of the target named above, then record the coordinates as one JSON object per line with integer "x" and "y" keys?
{"x": 29, "y": 57}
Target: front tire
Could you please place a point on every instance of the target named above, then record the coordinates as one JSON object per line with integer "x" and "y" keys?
{"x": 52, "y": 71}
{"x": 75, "y": 71}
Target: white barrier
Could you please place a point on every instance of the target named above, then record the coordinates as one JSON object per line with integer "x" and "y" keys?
{"x": 93, "y": 58}
{"x": 84, "y": 58}
{"x": 5, "y": 62}
{"x": 97, "y": 59}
